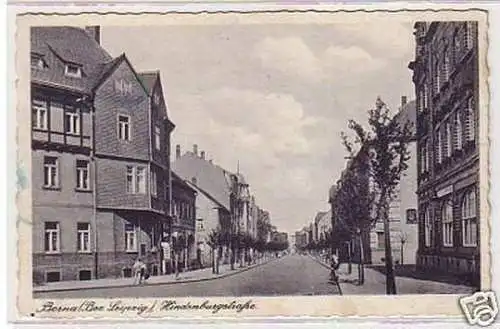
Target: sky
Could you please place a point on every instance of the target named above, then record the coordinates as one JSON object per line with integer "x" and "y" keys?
{"x": 273, "y": 98}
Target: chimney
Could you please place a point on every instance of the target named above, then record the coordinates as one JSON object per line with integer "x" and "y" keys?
{"x": 195, "y": 149}
{"x": 211, "y": 161}
{"x": 94, "y": 32}
{"x": 202, "y": 155}
{"x": 403, "y": 101}
{"x": 177, "y": 151}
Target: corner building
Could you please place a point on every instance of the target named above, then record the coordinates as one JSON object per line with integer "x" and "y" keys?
{"x": 100, "y": 159}
{"x": 446, "y": 78}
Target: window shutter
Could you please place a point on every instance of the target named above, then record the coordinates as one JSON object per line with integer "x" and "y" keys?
{"x": 438, "y": 146}
{"x": 444, "y": 142}
{"x": 448, "y": 139}
{"x": 457, "y": 132}
{"x": 469, "y": 121}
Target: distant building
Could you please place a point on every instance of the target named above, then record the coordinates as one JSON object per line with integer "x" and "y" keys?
{"x": 445, "y": 74}
{"x": 184, "y": 215}
{"x": 229, "y": 190}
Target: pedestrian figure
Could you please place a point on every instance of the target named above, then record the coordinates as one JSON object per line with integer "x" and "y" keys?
{"x": 334, "y": 278}
{"x": 138, "y": 269}
{"x": 144, "y": 272}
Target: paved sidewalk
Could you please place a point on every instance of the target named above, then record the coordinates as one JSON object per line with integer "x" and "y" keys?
{"x": 184, "y": 277}
{"x": 375, "y": 283}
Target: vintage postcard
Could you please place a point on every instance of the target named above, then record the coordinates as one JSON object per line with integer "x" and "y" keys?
{"x": 253, "y": 164}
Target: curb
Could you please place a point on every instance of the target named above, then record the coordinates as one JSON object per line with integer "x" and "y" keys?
{"x": 224, "y": 275}
{"x": 320, "y": 262}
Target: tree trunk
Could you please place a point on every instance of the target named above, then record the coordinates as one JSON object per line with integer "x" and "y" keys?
{"x": 390, "y": 280}
{"x": 361, "y": 271}
{"x": 402, "y": 253}
{"x": 349, "y": 258}
{"x": 212, "y": 258}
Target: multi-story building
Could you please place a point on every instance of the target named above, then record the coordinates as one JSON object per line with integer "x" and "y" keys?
{"x": 184, "y": 214}
{"x": 402, "y": 210}
{"x": 445, "y": 74}
{"x": 100, "y": 140}
{"x": 216, "y": 183}
{"x": 323, "y": 225}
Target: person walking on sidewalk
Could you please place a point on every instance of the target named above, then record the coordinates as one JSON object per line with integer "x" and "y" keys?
{"x": 139, "y": 270}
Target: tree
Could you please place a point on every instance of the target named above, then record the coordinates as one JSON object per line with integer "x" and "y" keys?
{"x": 214, "y": 242}
{"x": 352, "y": 202}
{"x": 385, "y": 146}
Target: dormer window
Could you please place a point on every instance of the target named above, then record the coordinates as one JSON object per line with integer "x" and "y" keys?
{"x": 37, "y": 62}
{"x": 72, "y": 70}
{"x": 156, "y": 99}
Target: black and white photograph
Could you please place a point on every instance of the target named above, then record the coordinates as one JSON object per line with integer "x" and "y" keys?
{"x": 269, "y": 159}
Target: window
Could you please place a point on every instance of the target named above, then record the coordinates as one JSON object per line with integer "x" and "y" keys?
{"x": 130, "y": 240}
{"x": 411, "y": 216}
{"x": 153, "y": 237}
{"x": 428, "y": 228}
{"x": 50, "y": 172}
{"x": 446, "y": 66}
{"x": 140, "y": 180}
{"x": 39, "y": 114}
{"x": 154, "y": 183}
{"x": 52, "y": 243}
{"x": 123, "y": 87}
{"x": 426, "y": 95}
{"x": 136, "y": 180}
{"x": 83, "y": 238}
{"x": 448, "y": 139}
{"x": 37, "y": 62}
{"x": 380, "y": 240}
{"x": 157, "y": 138}
{"x": 73, "y": 71}
{"x": 469, "y": 35}
{"x": 72, "y": 122}
{"x": 437, "y": 82}
{"x": 82, "y": 175}
{"x": 53, "y": 276}
{"x": 438, "y": 147}
{"x": 470, "y": 122}
{"x": 428, "y": 154}
{"x": 84, "y": 275}
{"x": 200, "y": 225}
{"x": 124, "y": 127}
{"x": 469, "y": 220}
{"x": 156, "y": 99}
{"x": 447, "y": 219}
{"x": 457, "y": 132}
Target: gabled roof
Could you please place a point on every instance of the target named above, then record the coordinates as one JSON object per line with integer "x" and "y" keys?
{"x": 319, "y": 215}
{"x": 149, "y": 80}
{"x": 70, "y": 45}
{"x": 211, "y": 178}
{"x": 179, "y": 180}
{"x": 108, "y": 68}
{"x": 407, "y": 112}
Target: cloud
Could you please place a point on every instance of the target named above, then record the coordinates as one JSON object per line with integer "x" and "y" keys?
{"x": 268, "y": 123}
{"x": 295, "y": 59}
{"x": 289, "y": 55}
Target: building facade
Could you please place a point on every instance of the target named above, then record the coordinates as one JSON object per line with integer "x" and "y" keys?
{"x": 100, "y": 145}
{"x": 403, "y": 209}
{"x": 446, "y": 79}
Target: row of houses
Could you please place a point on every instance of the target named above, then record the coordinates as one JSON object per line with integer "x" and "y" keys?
{"x": 104, "y": 188}
{"x": 435, "y": 219}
